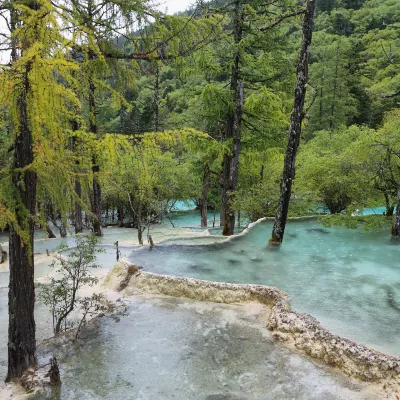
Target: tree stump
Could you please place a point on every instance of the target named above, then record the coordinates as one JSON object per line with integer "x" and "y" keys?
{"x": 54, "y": 372}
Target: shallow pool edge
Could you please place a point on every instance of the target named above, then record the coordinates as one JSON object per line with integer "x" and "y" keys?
{"x": 296, "y": 330}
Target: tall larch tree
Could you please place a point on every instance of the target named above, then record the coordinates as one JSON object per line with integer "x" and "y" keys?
{"x": 296, "y": 120}
{"x": 37, "y": 108}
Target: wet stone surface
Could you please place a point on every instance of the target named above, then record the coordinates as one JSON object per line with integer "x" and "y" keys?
{"x": 170, "y": 348}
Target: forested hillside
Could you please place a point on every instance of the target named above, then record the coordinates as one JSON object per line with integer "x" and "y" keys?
{"x": 352, "y": 100}
{"x": 181, "y": 75}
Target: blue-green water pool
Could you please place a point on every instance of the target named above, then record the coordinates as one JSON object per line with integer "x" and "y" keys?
{"x": 347, "y": 279}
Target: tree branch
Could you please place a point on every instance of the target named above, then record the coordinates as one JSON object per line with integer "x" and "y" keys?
{"x": 281, "y": 19}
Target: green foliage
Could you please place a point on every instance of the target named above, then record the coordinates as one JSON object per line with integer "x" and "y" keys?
{"x": 44, "y": 69}
{"x": 146, "y": 173}
{"x": 73, "y": 272}
{"x": 260, "y": 174}
{"x": 335, "y": 105}
{"x": 331, "y": 167}
{"x": 128, "y": 56}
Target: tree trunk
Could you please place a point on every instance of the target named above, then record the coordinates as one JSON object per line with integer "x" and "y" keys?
{"x": 50, "y": 234}
{"x": 139, "y": 223}
{"x": 230, "y": 171}
{"x": 234, "y": 167}
{"x": 204, "y": 195}
{"x": 21, "y": 296}
{"x": 224, "y": 179}
{"x": 78, "y": 187}
{"x": 295, "y": 128}
{"x": 96, "y": 203}
{"x": 3, "y": 255}
{"x": 396, "y": 225}
{"x": 78, "y": 208}
{"x": 54, "y": 373}
{"x": 120, "y": 217}
{"x": 389, "y": 207}
{"x": 63, "y": 230}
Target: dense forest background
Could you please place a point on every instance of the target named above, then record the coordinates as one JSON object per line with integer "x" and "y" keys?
{"x": 153, "y": 104}
{"x": 353, "y": 98}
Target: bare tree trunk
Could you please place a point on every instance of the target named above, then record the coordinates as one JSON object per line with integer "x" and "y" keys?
{"x": 295, "y": 127}
{"x": 234, "y": 168}
{"x": 204, "y": 195}
{"x": 230, "y": 171}
{"x": 96, "y": 189}
{"x": 396, "y": 225}
{"x": 21, "y": 295}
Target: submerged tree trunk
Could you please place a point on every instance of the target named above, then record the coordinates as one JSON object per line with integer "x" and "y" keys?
{"x": 396, "y": 225}
{"x": 21, "y": 296}
{"x": 63, "y": 230}
{"x": 230, "y": 171}
{"x": 204, "y": 195}
{"x": 50, "y": 234}
{"x": 295, "y": 128}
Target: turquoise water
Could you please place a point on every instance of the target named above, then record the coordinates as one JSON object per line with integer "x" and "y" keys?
{"x": 190, "y": 219}
{"x": 347, "y": 279}
{"x": 376, "y": 210}
{"x": 184, "y": 205}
